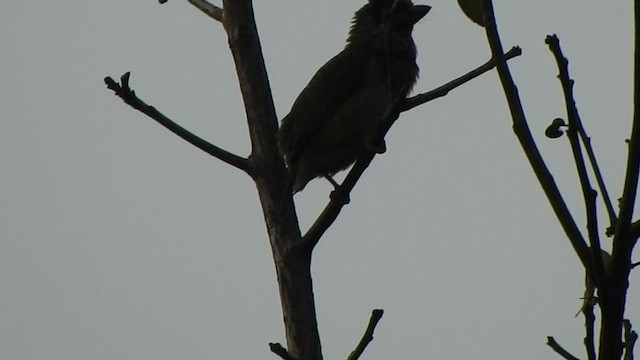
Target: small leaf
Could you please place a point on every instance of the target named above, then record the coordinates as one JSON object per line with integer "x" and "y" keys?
{"x": 473, "y": 10}
{"x": 554, "y": 130}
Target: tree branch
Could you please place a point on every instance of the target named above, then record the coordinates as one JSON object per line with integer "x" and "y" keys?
{"x": 293, "y": 264}
{"x": 523, "y": 133}
{"x": 443, "y": 90}
{"x": 559, "y": 349}
{"x": 208, "y": 8}
{"x": 129, "y": 96}
{"x": 376, "y": 315}
{"x": 598, "y": 275}
{"x": 340, "y": 198}
{"x": 576, "y": 122}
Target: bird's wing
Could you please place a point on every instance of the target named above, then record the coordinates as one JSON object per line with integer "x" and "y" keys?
{"x": 329, "y": 89}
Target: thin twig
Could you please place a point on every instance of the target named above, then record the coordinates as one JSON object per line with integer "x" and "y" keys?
{"x": 376, "y": 315}
{"x": 208, "y": 8}
{"x": 340, "y": 198}
{"x": 279, "y": 350}
{"x": 443, "y": 90}
{"x": 129, "y": 96}
{"x": 576, "y": 123}
{"x": 598, "y": 276}
{"x": 630, "y": 337}
{"x": 559, "y": 349}
{"x": 523, "y": 133}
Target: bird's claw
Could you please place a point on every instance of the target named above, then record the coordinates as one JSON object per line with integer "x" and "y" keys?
{"x": 339, "y": 195}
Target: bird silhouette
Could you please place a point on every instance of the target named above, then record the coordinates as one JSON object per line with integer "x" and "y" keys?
{"x": 336, "y": 115}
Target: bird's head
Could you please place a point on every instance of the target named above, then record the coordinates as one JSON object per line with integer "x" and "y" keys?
{"x": 369, "y": 22}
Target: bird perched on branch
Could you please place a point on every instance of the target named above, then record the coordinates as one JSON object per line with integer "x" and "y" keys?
{"x": 337, "y": 114}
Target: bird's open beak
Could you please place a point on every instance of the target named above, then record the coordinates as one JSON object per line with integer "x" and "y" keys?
{"x": 413, "y": 14}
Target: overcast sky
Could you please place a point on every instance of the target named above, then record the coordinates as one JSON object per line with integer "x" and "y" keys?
{"x": 120, "y": 241}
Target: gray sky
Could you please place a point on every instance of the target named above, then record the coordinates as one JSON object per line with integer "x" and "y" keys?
{"x": 118, "y": 240}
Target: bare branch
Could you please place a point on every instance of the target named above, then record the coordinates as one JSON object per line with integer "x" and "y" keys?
{"x": 589, "y": 195}
{"x": 277, "y": 349}
{"x": 293, "y": 265}
{"x": 523, "y": 133}
{"x": 208, "y": 8}
{"x": 129, "y": 96}
{"x": 559, "y": 349}
{"x": 443, "y": 90}
{"x": 376, "y": 315}
{"x": 576, "y": 123}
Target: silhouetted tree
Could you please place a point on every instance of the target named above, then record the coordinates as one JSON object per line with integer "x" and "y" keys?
{"x": 607, "y": 274}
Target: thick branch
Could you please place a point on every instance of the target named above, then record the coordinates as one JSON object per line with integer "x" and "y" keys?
{"x": 523, "y": 133}
{"x": 559, "y": 349}
{"x": 339, "y": 200}
{"x": 376, "y": 315}
{"x": 293, "y": 264}
{"x": 129, "y": 96}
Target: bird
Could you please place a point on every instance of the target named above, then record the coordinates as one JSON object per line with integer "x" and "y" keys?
{"x": 337, "y": 114}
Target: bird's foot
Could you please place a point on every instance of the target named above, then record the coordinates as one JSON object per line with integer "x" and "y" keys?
{"x": 338, "y": 193}
{"x": 379, "y": 148}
